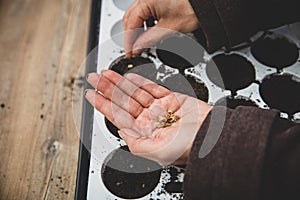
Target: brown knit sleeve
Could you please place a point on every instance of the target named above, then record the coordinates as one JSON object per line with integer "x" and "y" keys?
{"x": 233, "y": 169}
{"x": 210, "y": 24}
{"x": 230, "y": 22}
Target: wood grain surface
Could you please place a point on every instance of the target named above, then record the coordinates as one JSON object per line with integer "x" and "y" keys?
{"x": 42, "y": 45}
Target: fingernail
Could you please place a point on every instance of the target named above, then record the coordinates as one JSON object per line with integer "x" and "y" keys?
{"x": 121, "y": 134}
{"x": 93, "y": 79}
{"x": 137, "y": 49}
{"x": 128, "y": 55}
{"x": 102, "y": 71}
{"x": 89, "y": 95}
{"x": 85, "y": 91}
{"x": 127, "y": 75}
{"x": 87, "y": 76}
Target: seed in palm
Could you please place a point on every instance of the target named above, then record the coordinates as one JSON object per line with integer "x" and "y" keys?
{"x": 167, "y": 120}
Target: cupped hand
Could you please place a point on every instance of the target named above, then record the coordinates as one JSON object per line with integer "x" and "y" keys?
{"x": 135, "y": 105}
{"x": 172, "y": 16}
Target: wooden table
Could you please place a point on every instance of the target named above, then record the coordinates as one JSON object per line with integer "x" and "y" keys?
{"x": 42, "y": 44}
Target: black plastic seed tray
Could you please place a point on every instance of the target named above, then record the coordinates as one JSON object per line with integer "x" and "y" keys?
{"x": 263, "y": 72}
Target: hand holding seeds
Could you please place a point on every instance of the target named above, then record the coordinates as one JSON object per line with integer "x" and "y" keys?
{"x": 155, "y": 122}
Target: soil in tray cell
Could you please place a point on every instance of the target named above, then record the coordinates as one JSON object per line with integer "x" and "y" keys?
{"x": 235, "y": 102}
{"x": 277, "y": 53}
{"x": 188, "y": 85}
{"x": 231, "y": 72}
{"x": 281, "y": 92}
{"x": 128, "y": 176}
{"x": 180, "y": 52}
{"x": 138, "y": 64}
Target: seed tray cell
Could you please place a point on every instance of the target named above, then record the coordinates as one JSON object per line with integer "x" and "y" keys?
{"x": 190, "y": 73}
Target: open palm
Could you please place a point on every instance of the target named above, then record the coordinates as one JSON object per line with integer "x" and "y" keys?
{"x": 136, "y": 105}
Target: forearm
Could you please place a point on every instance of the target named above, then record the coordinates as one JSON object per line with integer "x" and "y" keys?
{"x": 230, "y": 22}
{"x": 242, "y": 164}
{"x": 281, "y": 174}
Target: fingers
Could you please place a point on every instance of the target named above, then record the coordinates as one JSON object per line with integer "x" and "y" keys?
{"x": 129, "y": 38}
{"x": 115, "y": 94}
{"x": 151, "y": 37}
{"x": 171, "y": 15}
{"x": 111, "y": 84}
{"x": 135, "y": 43}
{"x": 114, "y": 113}
{"x": 135, "y": 92}
{"x": 134, "y": 19}
{"x": 152, "y": 88}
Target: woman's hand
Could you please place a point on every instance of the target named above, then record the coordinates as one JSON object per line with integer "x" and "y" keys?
{"x": 173, "y": 16}
{"x": 135, "y": 105}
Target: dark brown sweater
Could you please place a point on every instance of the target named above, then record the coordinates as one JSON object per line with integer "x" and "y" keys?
{"x": 257, "y": 156}
{"x": 230, "y": 22}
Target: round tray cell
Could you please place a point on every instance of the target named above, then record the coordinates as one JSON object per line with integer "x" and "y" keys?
{"x": 123, "y": 4}
{"x": 128, "y": 176}
{"x": 235, "y": 102}
{"x": 232, "y": 72}
{"x": 199, "y": 87}
{"x": 117, "y": 33}
{"x": 188, "y": 85}
{"x": 180, "y": 52}
{"x": 277, "y": 53}
{"x": 138, "y": 64}
{"x": 281, "y": 92}
{"x": 112, "y": 128}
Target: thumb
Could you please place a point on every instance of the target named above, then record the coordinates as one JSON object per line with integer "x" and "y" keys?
{"x": 151, "y": 37}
